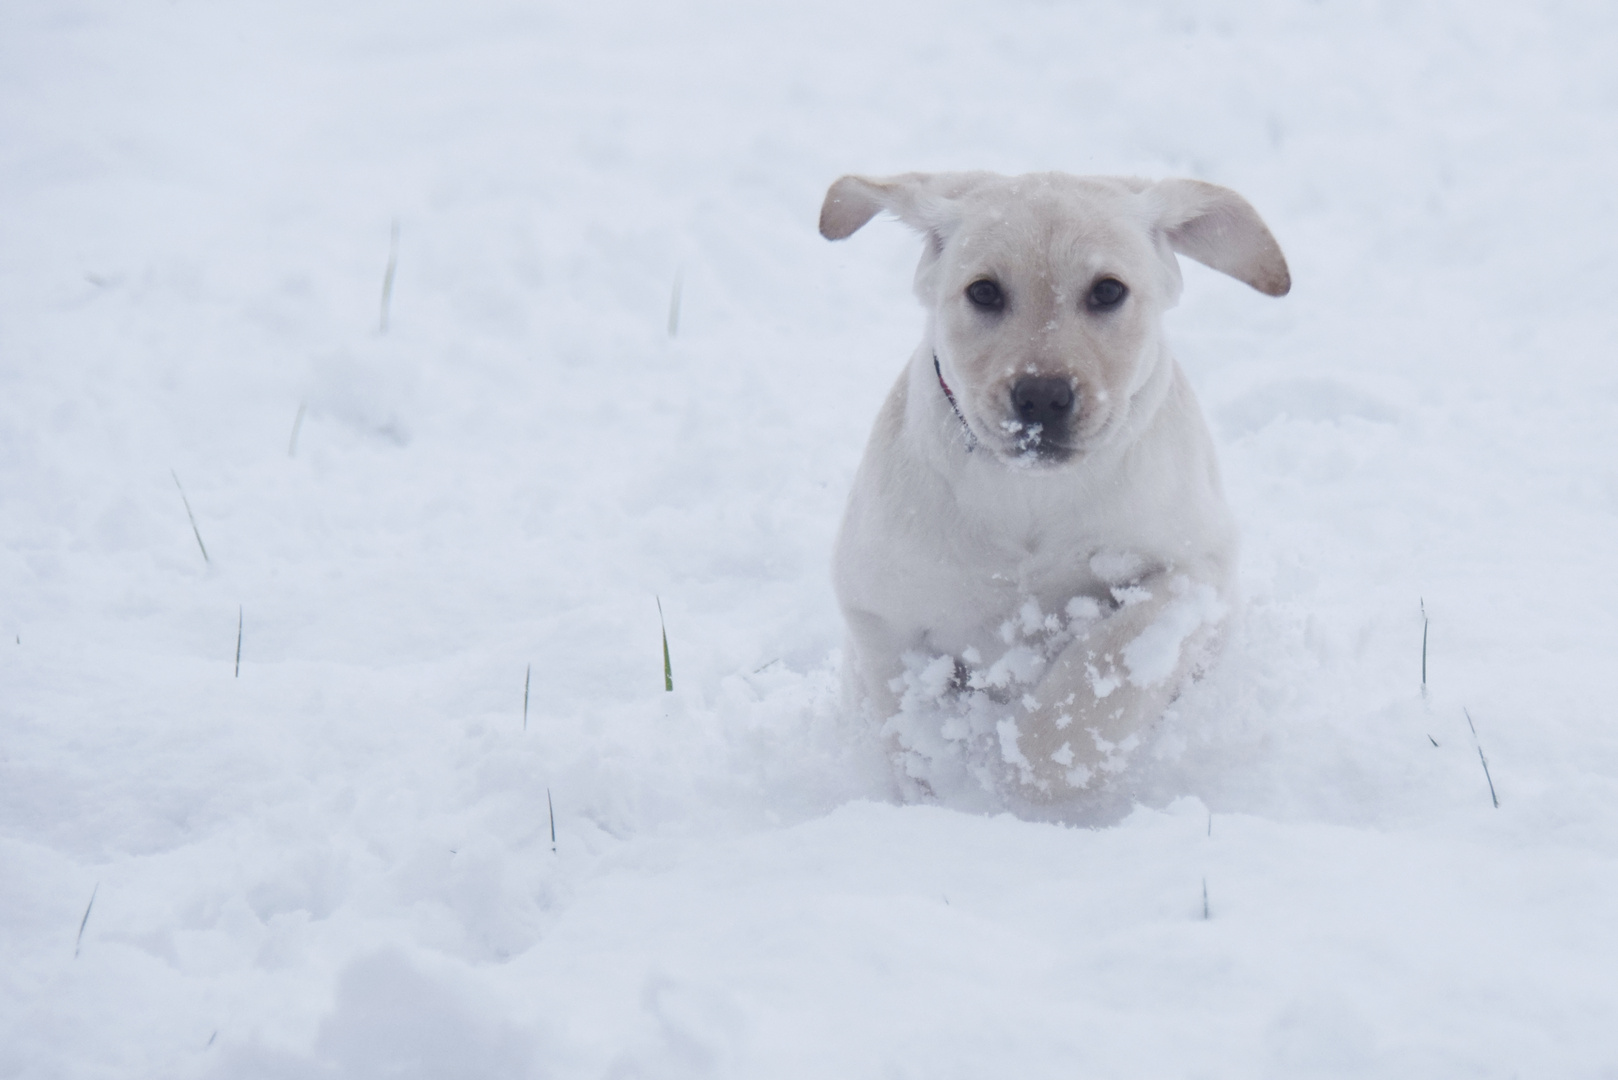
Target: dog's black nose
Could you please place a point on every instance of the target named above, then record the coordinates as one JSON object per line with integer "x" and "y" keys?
{"x": 1042, "y": 400}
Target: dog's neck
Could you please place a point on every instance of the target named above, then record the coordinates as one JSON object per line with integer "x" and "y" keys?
{"x": 971, "y": 439}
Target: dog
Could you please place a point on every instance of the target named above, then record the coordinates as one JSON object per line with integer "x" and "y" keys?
{"x": 1038, "y": 527}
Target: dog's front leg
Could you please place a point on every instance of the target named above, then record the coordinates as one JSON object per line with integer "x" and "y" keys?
{"x": 1100, "y": 691}
{"x": 872, "y": 658}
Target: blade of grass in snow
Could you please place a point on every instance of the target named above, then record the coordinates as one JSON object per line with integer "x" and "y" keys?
{"x": 552, "y": 808}
{"x": 1478, "y": 743}
{"x": 674, "y": 304}
{"x": 668, "y": 668}
{"x": 191, "y": 517}
{"x": 387, "y": 275}
{"x": 1423, "y": 603}
{"x": 238, "y": 641}
{"x": 297, "y": 425}
{"x": 526, "y": 676}
{"x": 78, "y": 941}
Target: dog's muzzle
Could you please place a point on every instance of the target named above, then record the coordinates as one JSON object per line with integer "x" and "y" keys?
{"x": 1043, "y": 408}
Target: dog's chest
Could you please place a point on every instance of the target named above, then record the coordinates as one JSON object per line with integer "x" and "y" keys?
{"x": 959, "y": 583}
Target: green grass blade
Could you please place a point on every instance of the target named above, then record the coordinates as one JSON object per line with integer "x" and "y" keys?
{"x": 668, "y": 668}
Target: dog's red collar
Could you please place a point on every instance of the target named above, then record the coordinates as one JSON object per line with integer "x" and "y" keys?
{"x": 971, "y": 439}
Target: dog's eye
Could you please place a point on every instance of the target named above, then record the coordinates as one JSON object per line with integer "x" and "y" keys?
{"x": 986, "y": 295}
{"x": 1107, "y": 293}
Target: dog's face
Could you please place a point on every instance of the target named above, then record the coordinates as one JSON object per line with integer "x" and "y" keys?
{"x": 1045, "y": 299}
{"x": 1045, "y": 293}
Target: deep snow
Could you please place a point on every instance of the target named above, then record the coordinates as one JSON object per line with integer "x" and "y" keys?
{"x": 339, "y": 863}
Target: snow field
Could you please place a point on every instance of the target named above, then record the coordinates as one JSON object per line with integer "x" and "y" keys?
{"x": 339, "y": 863}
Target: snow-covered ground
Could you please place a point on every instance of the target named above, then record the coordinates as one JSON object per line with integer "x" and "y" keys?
{"x": 339, "y": 862}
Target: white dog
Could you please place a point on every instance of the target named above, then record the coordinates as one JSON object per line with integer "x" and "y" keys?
{"x": 1038, "y": 528}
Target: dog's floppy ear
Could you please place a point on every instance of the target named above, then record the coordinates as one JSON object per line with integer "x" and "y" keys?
{"x": 1221, "y": 230}
{"x": 920, "y": 200}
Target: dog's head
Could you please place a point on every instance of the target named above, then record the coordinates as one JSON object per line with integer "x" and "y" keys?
{"x": 1044, "y": 292}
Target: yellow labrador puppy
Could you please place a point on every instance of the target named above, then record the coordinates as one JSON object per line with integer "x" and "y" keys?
{"x": 1037, "y": 529}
